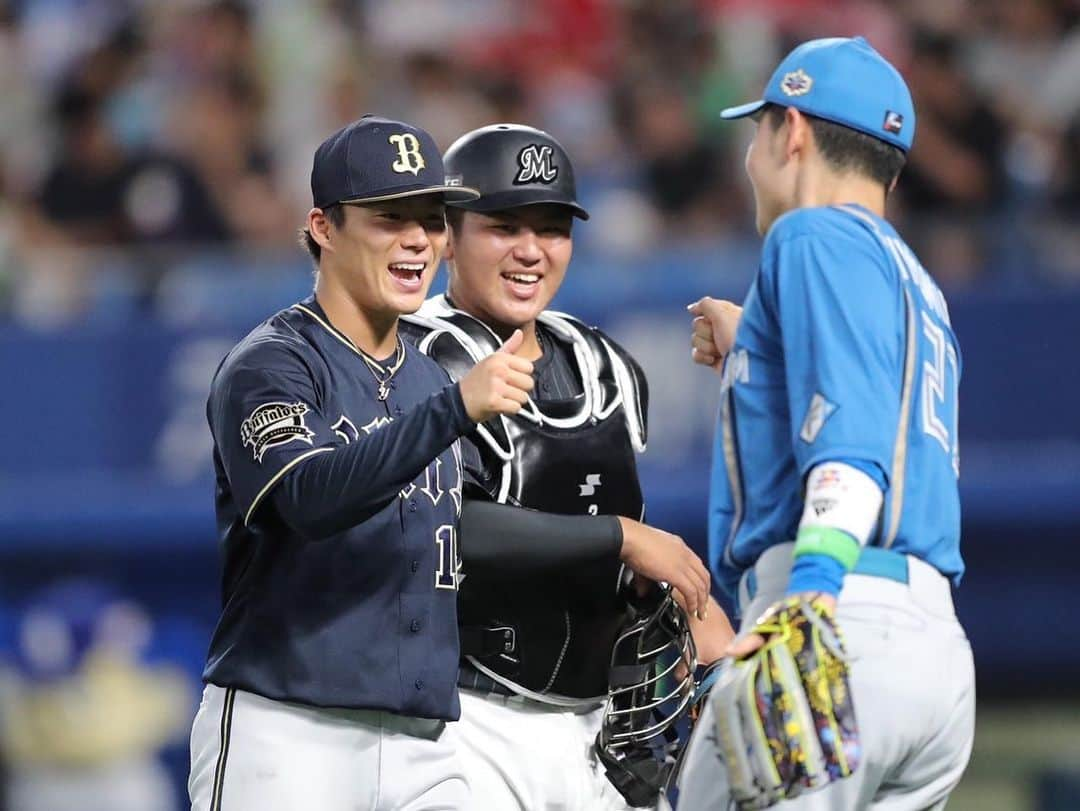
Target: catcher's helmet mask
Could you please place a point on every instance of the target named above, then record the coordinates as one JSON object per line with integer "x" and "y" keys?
{"x": 638, "y": 743}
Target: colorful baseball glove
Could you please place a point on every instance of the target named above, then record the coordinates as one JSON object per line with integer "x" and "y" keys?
{"x": 784, "y": 715}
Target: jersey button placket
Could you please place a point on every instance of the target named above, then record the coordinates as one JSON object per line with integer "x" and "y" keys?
{"x": 414, "y": 626}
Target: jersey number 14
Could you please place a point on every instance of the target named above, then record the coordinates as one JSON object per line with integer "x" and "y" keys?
{"x": 446, "y": 575}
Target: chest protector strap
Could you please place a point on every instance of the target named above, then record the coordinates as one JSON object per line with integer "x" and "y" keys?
{"x": 611, "y": 378}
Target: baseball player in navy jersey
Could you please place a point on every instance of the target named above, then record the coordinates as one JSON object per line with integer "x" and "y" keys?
{"x": 333, "y": 669}
{"x": 835, "y": 469}
{"x": 552, "y": 499}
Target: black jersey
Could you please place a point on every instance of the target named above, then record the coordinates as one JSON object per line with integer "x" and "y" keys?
{"x": 360, "y": 615}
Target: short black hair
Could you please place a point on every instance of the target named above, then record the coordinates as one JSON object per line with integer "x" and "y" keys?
{"x": 336, "y": 215}
{"x": 847, "y": 149}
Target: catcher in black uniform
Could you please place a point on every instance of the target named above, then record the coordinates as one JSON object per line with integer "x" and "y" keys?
{"x": 558, "y": 569}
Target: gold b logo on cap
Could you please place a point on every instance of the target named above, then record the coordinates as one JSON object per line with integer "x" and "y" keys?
{"x": 796, "y": 83}
{"x": 409, "y": 157}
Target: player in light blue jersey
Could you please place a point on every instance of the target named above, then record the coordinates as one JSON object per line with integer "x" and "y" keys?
{"x": 835, "y": 466}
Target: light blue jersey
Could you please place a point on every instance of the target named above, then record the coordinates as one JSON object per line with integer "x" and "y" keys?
{"x": 844, "y": 353}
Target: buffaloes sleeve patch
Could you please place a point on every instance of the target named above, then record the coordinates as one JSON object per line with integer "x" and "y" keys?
{"x": 275, "y": 424}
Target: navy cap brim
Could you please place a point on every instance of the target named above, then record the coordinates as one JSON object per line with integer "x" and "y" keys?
{"x": 742, "y": 110}
{"x": 450, "y": 194}
{"x": 516, "y": 198}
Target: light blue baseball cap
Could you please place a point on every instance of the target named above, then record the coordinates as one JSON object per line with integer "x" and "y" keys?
{"x": 844, "y": 81}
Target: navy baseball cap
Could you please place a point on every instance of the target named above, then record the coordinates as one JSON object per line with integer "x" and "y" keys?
{"x": 376, "y": 159}
{"x": 844, "y": 81}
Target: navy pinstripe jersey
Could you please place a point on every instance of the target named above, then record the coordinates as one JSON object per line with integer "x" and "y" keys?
{"x": 360, "y": 613}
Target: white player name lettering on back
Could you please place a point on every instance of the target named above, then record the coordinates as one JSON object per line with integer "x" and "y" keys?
{"x": 911, "y": 269}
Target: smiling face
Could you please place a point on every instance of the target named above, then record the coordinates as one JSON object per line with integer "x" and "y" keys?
{"x": 384, "y": 256}
{"x": 506, "y": 266}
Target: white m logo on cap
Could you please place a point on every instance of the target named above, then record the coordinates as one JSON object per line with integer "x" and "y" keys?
{"x": 535, "y": 163}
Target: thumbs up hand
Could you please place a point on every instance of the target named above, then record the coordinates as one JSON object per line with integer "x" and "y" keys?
{"x": 500, "y": 383}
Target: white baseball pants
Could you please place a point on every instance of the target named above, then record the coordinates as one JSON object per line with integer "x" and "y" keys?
{"x": 521, "y": 755}
{"x": 249, "y": 753}
{"x": 912, "y": 681}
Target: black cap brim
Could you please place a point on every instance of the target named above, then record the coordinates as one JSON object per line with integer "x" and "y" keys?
{"x": 450, "y": 195}
{"x": 516, "y": 198}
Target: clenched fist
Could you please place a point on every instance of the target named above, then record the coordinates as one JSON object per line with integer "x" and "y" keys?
{"x": 500, "y": 383}
{"x": 714, "y": 328}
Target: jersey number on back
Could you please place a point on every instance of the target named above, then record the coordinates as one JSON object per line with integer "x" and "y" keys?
{"x": 941, "y": 367}
{"x": 941, "y": 374}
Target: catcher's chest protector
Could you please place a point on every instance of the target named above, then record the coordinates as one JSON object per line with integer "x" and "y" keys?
{"x": 572, "y": 456}
{"x": 563, "y": 456}
{"x": 586, "y": 467}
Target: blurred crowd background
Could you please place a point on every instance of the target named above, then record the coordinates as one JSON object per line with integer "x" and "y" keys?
{"x": 158, "y": 128}
{"x": 154, "y": 163}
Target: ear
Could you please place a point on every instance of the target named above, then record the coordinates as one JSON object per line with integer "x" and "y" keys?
{"x": 797, "y": 132}
{"x": 448, "y": 251}
{"x": 319, "y": 226}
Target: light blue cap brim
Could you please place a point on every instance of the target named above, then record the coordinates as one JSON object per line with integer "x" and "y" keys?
{"x": 742, "y": 110}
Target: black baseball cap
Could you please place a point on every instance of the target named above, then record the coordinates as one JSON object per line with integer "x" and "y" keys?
{"x": 512, "y": 165}
{"x": 375, "y": 159}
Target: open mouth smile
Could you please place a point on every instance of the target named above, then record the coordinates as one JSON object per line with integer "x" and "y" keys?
{"x": 408, "y": 275}
{"x": 522, "y": 285}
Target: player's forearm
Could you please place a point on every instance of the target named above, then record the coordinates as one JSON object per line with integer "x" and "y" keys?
{"x": 842, "y": 507}
{"x": 713, "y": 634}
{"x": 507, "y": 540}
{"x": 331, "y": 492}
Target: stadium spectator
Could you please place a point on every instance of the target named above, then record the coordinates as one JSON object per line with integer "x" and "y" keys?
{"x": 101, "y": 195}
{"x": 141, "y": 124}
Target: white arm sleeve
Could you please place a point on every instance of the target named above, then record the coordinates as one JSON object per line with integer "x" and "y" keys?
{"x": 840, "y": 496}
